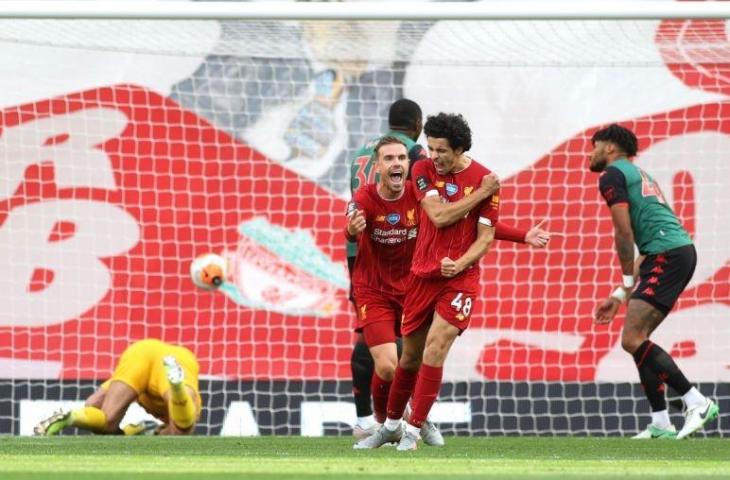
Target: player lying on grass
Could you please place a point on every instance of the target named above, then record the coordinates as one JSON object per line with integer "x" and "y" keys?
{"x": 667, "y": 261}
{"x": 162, "y": 378}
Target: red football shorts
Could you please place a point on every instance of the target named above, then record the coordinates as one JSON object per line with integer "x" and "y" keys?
{"x": 378, "y": 316}
{"x": 452, "y": 298}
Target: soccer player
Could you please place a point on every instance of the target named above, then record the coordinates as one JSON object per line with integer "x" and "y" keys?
{"x": 667, "y": 261}
{"x": 162, "y": 378}
{"x": 457, "y": 227}
{"x": 385, "y": 217}
{"x": 405, "y": 119}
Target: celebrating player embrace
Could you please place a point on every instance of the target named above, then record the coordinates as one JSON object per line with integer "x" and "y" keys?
{"x": 459, "y": 208}
{"x": 406, "y": 124}
{"x": 387, "y": 215}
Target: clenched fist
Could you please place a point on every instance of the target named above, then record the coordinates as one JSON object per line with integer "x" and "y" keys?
{"x": 449, "y": 268}
{"x": 490, "y": 184}
{"x": 356, "y": 223}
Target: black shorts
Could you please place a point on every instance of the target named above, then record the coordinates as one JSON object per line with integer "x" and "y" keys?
{"x": 663, "y": 277}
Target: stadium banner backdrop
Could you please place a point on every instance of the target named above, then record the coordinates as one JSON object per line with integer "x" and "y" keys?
{"x": 113, "y": 182}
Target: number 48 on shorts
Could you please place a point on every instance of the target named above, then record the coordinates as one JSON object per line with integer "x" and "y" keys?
{"x": 462, "y": 305}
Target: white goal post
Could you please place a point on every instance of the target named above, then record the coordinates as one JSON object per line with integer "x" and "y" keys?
{"x": 135, "y": 136}
{"x": 368, "y": 10}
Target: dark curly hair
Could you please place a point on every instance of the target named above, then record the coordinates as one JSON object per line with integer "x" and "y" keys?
{"x": 622, "y": 137}
{"x": 450, "y": 126}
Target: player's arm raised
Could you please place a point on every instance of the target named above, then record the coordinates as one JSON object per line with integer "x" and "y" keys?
{"x": 536, "y": 236}
{"x": 444, "y": 214}
{"x": 480, "y": 246}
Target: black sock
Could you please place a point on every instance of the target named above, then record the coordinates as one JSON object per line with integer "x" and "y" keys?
{"x": 362, "y": 366}
{"x": 653, "y": 388}
{"x": 652, "y": 356}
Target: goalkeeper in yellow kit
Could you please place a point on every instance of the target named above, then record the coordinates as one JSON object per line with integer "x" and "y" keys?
{"x": 162, "y": 378}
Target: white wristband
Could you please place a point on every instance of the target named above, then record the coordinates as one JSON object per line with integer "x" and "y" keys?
{"x": 619, "y": 294}
{"x": 628, "y": 281}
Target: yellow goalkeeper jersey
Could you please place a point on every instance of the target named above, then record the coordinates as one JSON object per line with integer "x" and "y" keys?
{"x": 140, "y": 367}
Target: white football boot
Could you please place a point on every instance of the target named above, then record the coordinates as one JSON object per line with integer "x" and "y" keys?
{"x": 697, "y": 417}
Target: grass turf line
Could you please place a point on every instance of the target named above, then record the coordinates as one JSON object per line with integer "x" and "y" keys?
{"x": 79, "y": 458}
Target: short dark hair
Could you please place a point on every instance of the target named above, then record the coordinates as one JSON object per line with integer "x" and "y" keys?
{"x": 621, "y": 136}
{"x": 387, "y": 141}
{"x": 404, "y": 114}
{"x": 450, "y": 126}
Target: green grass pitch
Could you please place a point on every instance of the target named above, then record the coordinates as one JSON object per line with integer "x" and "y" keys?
{"x": 141, "y": 458}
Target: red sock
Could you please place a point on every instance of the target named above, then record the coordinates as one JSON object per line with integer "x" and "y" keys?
{"x": 426, "y": 392}
{"x": 380, "y": 389}
{"x": 400, "y": 391}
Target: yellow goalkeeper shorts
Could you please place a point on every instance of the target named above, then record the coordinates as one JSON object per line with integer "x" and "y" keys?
{"x": 140, "y": 367}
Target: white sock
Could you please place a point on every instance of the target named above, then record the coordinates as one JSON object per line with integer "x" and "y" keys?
{"x": 413, "y": 430}
{"x": 693, "y": 398}
{"x": 661, "y": 419}
{"x": 365, "y": 422}
{"x": 391, "y": 424}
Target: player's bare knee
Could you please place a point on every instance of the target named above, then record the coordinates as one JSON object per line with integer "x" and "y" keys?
{"x": 386, "y": 369}
{"x": 436, "y": 350}
{"x": 434, "y": 358}
{"x": 409, "y": 362}
{"x": 435, "y": 354}
{"x": 631, "y": 340}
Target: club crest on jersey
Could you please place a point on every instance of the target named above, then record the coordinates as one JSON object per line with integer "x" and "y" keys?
{"x": 411, "y": 217}
{"x": 451, "y": 189}
{"x": 393, "y": 218}
{"x": 467, "y": 191}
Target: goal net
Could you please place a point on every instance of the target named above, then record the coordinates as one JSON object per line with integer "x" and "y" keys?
{"x": 129, "y": 147}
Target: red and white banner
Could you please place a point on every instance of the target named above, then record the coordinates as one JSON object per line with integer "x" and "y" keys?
{"x": 107, "y": 195}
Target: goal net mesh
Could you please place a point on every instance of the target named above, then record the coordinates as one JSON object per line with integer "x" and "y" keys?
{"x": 130, "y": 147}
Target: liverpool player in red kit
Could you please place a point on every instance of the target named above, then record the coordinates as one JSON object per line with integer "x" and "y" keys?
{"x": 387, "y": 215}
{"x": 442, "y": 289}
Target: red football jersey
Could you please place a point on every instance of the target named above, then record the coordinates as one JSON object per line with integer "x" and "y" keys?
{"x": 452, "y": 241}
{"x": 385, "y": 247}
